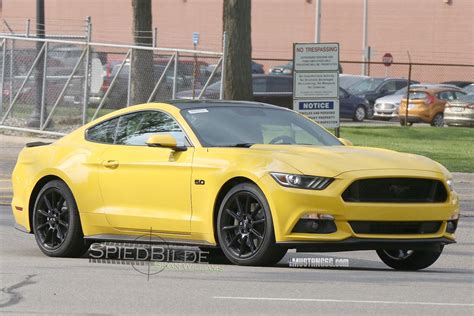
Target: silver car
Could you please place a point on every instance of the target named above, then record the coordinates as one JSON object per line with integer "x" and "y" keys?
{"x": 460, "y": 112}
{"x": 386, "y": 108}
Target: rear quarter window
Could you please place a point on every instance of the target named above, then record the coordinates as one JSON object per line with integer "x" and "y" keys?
{"x": 103, "y": 132}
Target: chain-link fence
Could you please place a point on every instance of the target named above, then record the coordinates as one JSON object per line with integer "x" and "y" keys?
{"x": 421, "y": 72}
{"x": 57, "y": 86}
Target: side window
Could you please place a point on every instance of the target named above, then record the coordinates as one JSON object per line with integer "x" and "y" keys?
{"x": 389, "y": 87}
{"x": 134, "y": 129}
{"x": 103, "y": 132}
{"x": 458, "y": 94}
{"x": 400, "y": 84}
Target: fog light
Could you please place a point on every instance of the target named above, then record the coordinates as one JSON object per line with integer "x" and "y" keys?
{"x": 451, "y": 226}
{"x": 315, "y": 223}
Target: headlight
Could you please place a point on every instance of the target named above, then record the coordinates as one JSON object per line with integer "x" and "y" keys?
{"x": 301, "y": 182}
{"x": 450, "y": 184}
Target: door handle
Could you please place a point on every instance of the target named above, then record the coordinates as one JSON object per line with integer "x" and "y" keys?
{"x": 111, "y": 164}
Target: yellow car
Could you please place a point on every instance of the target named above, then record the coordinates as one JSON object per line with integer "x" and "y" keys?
{"x": 249, "y": 178}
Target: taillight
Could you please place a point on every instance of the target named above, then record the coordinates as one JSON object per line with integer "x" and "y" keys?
{"x": 429, "y": 99}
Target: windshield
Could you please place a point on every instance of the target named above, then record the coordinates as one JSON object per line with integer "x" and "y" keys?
{"x": 243, "y": 126}
{"x": 345, "y": 81}
{"x": 467, "y": 98}
{"x": 365, "y": 85}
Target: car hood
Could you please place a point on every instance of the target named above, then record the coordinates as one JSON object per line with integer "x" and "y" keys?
{"x": 394, "y": 98}
{"x": 330, "y": 161}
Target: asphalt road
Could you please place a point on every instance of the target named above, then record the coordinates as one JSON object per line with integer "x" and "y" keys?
{"x": 33, "y": 283}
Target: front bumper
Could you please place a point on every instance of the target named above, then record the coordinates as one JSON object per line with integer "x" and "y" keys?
{"x": 368, "y": 244}
{"x": 459, "y": 120}
{"x": 290, "y": 205}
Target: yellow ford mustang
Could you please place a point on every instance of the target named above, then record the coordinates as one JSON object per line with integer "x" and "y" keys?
{"x": 249, "y": 178}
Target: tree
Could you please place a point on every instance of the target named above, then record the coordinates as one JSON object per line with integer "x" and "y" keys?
{"x": 142, "y": 60}
{"x": 238, "y": 65}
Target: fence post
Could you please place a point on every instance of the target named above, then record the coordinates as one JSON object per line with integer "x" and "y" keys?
{"x": 129, "y": 85}
{"x": 12, "y": 89}
{"x": 43, "y": 88}
{"x": 224, "y": 53}
{"x": 175, "y": 74}
{"x": 86, "y": 72}
{"x": 2, "y": 78}
{"x": 155, "y": 37}
{"x": 408, "y": 94}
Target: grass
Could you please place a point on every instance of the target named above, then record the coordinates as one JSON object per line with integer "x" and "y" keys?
{"x": 452, "y": 147}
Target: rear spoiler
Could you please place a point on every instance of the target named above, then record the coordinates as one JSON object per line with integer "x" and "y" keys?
{"x": 36, "y": 144}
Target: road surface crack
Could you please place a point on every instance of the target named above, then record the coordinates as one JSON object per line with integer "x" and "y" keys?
{"x": 14, "y": 296}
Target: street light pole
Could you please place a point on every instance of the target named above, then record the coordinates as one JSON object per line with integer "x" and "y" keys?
{"x": 364, "y": 38}
{"x": 34, "y": 120}
{"x": 317, "y": 23}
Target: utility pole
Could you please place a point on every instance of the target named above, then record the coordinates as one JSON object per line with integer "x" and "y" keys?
{"x": 34, "y": 120}
{"x": 317, "y": 22}
{"x": 364, "y": 38}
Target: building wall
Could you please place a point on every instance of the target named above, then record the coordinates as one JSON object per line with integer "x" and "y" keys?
{"x": 430, "y": 30}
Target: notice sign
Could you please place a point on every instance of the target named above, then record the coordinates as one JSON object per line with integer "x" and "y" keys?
{"x": 325, "y": 113}
{"x": 316, "y": 85}
{"x": 316, "y": 82}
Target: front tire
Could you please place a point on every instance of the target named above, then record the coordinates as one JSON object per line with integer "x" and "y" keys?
{"x": 409, "y": 260}
{"x": 56, "y": 222}
{"x": 245, "y": 227}
{"x": 359, "y": 114}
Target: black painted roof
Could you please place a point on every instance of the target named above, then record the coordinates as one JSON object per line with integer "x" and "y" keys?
{"x": 192, "y": 104}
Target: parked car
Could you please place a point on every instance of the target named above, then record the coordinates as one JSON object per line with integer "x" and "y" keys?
{"x": 287, "y": 69}
{"x": 469, "y": 88}
{"x": 373, "y": 88}
{"x": 352, "y": 106}
{"x": 273, "y": 89}
{"x": 427, "y": 105}
{"x": 278, "y": 90}
{"x": 386, "y": 108}
{"x": 460, "y": 112}
{"x": 346, "y": 80}
{"x": 256, "y": 68}
{"x": 458, "y": 83}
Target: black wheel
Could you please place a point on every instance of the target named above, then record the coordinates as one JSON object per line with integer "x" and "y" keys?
{"x": 409, "y": 260}
{"x": 359, "y": 114}
{"x": 56, "y": 222}
{"x": 245, "y": 228}
{"x": 438, "y": 120}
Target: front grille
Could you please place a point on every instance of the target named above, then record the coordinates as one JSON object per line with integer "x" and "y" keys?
{"x": 387, "y": 228}
{"x": 385, "y": 106}
{"x": 396, "y": 190}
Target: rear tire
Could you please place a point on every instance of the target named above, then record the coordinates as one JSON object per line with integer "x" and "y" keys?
{"x": 245, "y": 228}
{"x": 409, "y": 260}
{"x": 438, "y": 120}
{"x": 56, "y": 222}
